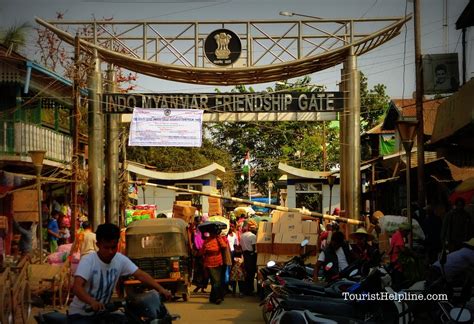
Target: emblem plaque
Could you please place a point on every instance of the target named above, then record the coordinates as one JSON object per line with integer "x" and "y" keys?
{"x": 222, "y": 47}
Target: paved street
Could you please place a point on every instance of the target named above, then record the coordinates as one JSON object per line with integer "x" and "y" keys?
{"x": 199, "y": 310}
{"x": 232, "y": 310}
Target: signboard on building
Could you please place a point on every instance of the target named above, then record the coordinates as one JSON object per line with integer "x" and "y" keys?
{"x": 226, "y": 102}
{"x": 166, "y": 127}
{"x": 440, "y": 73}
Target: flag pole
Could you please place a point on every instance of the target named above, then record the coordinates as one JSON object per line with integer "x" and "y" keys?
{"x": 250, "y": 182}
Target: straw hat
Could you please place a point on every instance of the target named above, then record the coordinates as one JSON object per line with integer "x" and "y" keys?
{"x": 377, "y": 214}
{"x": 470, "y": 243}
{"x": 361, "y": 232}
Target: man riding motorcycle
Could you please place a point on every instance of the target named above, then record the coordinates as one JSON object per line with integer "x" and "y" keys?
{"x": 97, "y": 276}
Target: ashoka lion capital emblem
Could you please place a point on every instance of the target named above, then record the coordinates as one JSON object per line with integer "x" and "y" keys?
{"x": 222, "y": 39}
{"x": 222, "y": 47}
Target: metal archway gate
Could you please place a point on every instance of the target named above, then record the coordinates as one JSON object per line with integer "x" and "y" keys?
{"x": 269, "y": 51}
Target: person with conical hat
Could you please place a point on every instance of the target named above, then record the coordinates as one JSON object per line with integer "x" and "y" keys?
{"x": 361, "y": 248}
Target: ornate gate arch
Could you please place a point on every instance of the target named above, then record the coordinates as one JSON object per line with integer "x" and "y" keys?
{"x": 271, "y": 50}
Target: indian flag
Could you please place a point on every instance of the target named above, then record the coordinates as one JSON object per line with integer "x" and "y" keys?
{"x": 246, "y": 166}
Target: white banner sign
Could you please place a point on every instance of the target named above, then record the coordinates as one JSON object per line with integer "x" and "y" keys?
{"x": 166, "y": 127}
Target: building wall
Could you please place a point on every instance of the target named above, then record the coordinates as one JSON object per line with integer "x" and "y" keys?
{"x": 335, "y": 200}
{"x": 164, "y": 198}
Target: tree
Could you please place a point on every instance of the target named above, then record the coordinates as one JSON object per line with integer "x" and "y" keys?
{"x": 295, "y": 143}
{"x": 14, "y": 37}
{"x": 374, "y": 103}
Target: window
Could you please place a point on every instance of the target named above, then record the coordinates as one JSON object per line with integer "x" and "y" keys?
{"x": 310, "y": 196}
{"x": 185, "y": 196}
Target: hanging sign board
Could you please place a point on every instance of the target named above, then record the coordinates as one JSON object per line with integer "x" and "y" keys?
{"x": 279, "y": 102}
{"x": 166, "y": 127}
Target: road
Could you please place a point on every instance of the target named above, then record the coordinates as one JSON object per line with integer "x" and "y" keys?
{"x": 198, "y": 310}
{"x": 232, "y": 310}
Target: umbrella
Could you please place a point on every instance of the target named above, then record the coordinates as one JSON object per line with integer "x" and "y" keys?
{"x": 246, "y": 210}
{"x": 465, "y": 190}
{"x": 221, "y": 219}
{"x": 211, "y": 227}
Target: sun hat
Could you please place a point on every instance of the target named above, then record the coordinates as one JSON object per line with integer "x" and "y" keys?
{"x": 470, "y": 243}
{"x": 377, "y": 214}
{"x": 361, "y": 232}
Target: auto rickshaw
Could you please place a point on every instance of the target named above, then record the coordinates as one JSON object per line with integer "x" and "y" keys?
{"x": 161, "y": 248}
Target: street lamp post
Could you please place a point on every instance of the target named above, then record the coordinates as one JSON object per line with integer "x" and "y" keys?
{"x": 331, "y": 179}
{"x": 407, "y": 131}
{"x": 37, "y": 158}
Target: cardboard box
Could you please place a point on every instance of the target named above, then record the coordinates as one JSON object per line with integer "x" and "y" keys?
{"x": 287, "y": 243}
{"x": 4, "y": 223}
{"x": 215, "y": 207}
{"x": 265, "y": 238}
{"x": 263, "y": 258}
{"x": 295, "y": 217}
{"x": 275, "y": 228}
{"x": 309, "y": 227}
{"x": 264, "y": 248}
{"x": 184, "y": 202}
{"x": 264, "y": 242}
{"x": 290, "y": 227}
{"x": 25, "y": 201}
{"x": 26, "y": 216}
{"x": 264, "y": 227}
{"x": 312, "y": 238}
{"x": 186, "y": 213}
{"x": 276, "y": 214}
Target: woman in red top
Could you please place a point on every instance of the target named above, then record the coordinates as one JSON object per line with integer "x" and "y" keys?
{"x": 212, "y": 249}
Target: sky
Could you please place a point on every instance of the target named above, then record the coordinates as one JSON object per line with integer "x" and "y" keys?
{"x": 391, "y": 64}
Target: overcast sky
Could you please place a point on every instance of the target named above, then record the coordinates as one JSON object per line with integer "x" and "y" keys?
{"x": 385, "y": 64}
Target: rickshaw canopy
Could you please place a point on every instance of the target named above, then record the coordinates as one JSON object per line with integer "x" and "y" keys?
{"x": 160, "y": 237}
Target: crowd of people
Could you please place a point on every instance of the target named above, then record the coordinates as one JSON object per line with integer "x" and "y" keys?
{"x": 228, "y": 262}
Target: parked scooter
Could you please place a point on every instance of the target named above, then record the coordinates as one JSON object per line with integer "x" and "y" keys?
{"x": 144, "y": 308}
{"x": 300, "y": 296}
{"x": 295, "y": 268}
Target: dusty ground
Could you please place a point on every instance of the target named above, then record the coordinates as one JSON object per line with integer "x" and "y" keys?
{"x": 198, "y": 310}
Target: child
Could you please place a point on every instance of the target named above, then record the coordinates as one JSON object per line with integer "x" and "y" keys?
{"x": 237, "y": 273}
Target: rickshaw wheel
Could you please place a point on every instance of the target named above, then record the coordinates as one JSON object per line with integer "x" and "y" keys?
{"x": 6, "y": 313}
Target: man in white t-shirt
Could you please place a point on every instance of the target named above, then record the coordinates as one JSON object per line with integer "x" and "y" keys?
{"x": 248, "y": 240}
{"x": 98, "y": 273}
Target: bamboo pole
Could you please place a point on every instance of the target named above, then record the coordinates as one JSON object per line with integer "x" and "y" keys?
{"x": 260, "y": 204}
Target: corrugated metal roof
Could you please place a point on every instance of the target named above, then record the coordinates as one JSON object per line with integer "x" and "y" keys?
{"x": 407, "y": 108}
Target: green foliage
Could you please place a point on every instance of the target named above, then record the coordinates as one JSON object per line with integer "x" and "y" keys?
{"x": 182, "y": 159}
{"x": 296, "y": 143}
{"x": 14, "y": 37}
{"x": 374, "y": 103}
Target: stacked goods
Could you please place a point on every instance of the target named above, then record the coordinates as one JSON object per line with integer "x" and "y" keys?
{"x": 4, "y": 223}
{"x": 215, "y": 207}
{"x": 137, "y": 214}
{"x": 25, "y": 206}
{"x": 281, "y": 239}
{"x": 185, "y": 212}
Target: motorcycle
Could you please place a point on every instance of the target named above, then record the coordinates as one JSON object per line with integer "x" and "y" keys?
{"x": 144, "y": 308}
{"x": 294, "y": 268}
{"x": 326, "y": 301}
